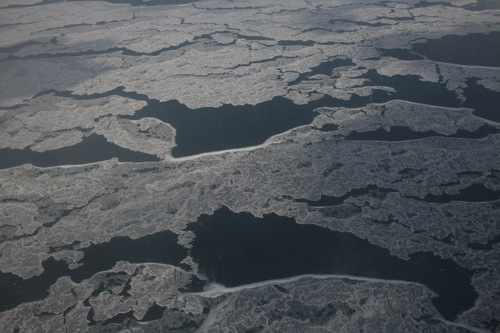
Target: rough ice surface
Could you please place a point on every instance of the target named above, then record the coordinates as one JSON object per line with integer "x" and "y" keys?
{"x": 77, "y": 68}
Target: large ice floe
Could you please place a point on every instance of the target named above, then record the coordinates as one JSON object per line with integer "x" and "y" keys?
{"x": 250, "y": 166}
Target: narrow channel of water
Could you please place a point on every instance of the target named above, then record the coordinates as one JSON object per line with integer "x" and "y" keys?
{"x": 160, "y": 247}
{"x": 94, "y": 148}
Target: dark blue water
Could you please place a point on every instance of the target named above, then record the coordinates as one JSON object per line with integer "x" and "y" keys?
{"x": 472, "y": 193}
{"x": 472, "y": 49}
{"x": 161, "y": 247}
{"x": 360, "y": 23}
{"x": 325, "y": 68}
{"x": 401, "y": 133}
{"x": 15, "y": 290}
{"x": 411, "y": 88}
{"x": 226, "y": 127}
{"x": 326, "y": 200}
{"x": 94, "y": 148}
{"x": 424, "y": 3}
{"x": 483, "y": 5}
{"x": 155, "y": 312}
{"x": 485, "y": 102}
{"x": 327, "y": 128}
{"x": 485, "y": 247}
{"x": 235, "y": 249}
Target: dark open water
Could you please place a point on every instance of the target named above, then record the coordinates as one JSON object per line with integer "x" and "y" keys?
{"x": 236, "y": 249}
